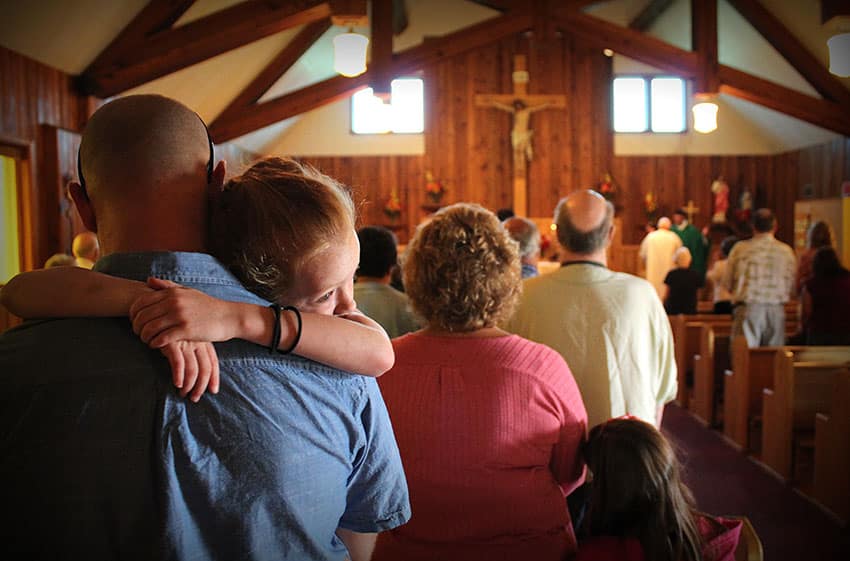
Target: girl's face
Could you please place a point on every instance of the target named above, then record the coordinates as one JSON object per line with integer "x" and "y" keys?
{"x": 325, "y": 283}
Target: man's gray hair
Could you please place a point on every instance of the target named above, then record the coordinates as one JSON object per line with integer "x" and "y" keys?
{"x": 577, "y": 241}
{"x": 525, "y": 232}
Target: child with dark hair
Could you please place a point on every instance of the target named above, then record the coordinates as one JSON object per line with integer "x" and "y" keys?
{"x": 639, "y": 508}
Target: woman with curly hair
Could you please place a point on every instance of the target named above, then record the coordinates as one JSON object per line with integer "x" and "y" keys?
{"x": 489, "y": 424}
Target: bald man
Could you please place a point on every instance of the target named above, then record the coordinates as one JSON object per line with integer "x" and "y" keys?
{"x": 101, "y": 457}
{"x": 86, "y": 249}
{"x": 656, "y": 252}
{"x": 610, "y": 327}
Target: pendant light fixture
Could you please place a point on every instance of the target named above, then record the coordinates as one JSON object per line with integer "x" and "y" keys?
{"x": 350, "y": 50}
{"x": 705, "y": 113}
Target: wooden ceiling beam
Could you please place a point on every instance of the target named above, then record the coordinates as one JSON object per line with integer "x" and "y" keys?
{"x": 231, "y": 126}
{"x": 288, "y": 56}
{"x": 501, "y": 5}
{"x": 174, "y": 49}
{"x": 792, "y": 50}
{"x": 821, "y": 112}
{"x": 156, "y": 16}
{"x": 704, "y": 43}
{"x": 628, "y": 42}
{"x": 381, "y": 46}
{"x": 649, "y": 14}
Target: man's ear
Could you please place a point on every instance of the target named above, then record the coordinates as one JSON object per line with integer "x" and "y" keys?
{"x": 84, "y": 206}
{"x": 610, "y": 235}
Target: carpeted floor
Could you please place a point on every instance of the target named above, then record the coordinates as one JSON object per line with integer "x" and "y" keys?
{"x": 725, "y": 481}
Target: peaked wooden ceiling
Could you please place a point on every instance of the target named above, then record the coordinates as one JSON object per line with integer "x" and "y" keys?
{"x": 150, "y": 47}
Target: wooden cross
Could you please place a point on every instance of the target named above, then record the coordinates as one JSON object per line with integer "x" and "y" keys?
{"x": 521, "y": 105}
{"x": 690, "y": 210}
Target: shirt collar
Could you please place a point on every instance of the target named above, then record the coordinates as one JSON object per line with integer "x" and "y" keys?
{"x": 180, "y": 267}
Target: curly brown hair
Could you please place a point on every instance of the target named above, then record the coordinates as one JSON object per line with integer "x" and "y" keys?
{"x": 274, "y": 217}
{"x": 462, "y": 270}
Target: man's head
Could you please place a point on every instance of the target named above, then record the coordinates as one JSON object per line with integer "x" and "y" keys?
{"x": 378, "y": 252}
{"x": 145, "y": 176}
{"x": 85, "y": 246}
{"x": 764, "y": 221}
{"x": 585, "y": 222}
{"x": 679, "y": 216}
{"x": 664, "y": 223}
{"x": 525, "y": 232}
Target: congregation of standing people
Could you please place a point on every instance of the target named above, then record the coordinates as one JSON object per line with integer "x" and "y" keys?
{"x": 236, "y": 377}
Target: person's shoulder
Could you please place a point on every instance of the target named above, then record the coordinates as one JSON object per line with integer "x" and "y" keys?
{"x": 245, "y": 361}
{"x": 531, "y": 354}
{"x": 629, "y": 281}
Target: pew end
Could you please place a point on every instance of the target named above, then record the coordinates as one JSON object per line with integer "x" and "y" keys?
{"x": 831, "y": 487}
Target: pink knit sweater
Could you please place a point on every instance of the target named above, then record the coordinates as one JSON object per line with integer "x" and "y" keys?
{"x": 489, "y": 430}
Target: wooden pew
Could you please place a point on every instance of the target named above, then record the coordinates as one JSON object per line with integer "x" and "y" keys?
{"x": 832, "y": 450}
{"x": 752, "y": 371}
{"x": 686, "y": 339}
{"x": 801, "y": 389}
{"x": 709, "y": 364}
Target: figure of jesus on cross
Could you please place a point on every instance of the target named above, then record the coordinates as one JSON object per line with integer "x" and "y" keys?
{"x": 521, "y": 105}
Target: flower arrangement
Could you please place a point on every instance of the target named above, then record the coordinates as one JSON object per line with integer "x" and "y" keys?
{"x": 433, "y": 188}
{"x": 392, "y": 208}
{"x": 607, "y": 188}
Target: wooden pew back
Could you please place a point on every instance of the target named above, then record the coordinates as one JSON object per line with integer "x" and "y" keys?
{"x": 709, "y": 364}
{"x": 832, "y": 450}
{"x": 686, "y": 339}
{"x": 752, "y": 371}
{"x": 800, "y": 389}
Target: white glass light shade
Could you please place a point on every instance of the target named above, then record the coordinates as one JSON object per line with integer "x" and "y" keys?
{"x": 350, "y": 54}
{"x": 839, "y": 54}
{"x": 705, "y": 116}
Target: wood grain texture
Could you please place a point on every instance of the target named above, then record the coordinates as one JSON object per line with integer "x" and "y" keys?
{"x": 39, "y": 106}
{"x": 372, "y": 180}
{"x": 32, "y": 95}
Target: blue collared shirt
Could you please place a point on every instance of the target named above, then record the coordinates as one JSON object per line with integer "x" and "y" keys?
{"x": 101, "y": 459}
{"x": 529, "y": 271}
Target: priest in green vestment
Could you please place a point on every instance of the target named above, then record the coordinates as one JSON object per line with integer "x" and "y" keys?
{"x": 694, "y": 240}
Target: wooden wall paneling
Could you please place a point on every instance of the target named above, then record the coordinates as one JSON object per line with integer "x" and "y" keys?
{"x": 462, "y": 108}
{"x": 32, "y": 94}
{"x": 546, "y": 58}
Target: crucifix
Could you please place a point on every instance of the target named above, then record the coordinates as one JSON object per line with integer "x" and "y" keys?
{"x": 690, "y": 210}
{"x": 521, "y": 105}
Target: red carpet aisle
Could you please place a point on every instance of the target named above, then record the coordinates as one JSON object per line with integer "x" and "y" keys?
{"x": 725, "y": 481}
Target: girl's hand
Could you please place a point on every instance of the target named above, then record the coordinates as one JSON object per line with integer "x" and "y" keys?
{"x": 194, "y": 367}
{"x": 175, "y": 313}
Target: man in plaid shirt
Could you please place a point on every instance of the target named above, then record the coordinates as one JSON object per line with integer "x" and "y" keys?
{"x": 760, "y": 276}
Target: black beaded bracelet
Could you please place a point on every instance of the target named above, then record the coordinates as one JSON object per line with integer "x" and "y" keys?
{"x": 275, "y": 342}
{"x": 297, "y": 338}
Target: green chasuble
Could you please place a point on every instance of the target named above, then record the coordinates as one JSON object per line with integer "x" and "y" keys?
{"x": 698, "y": 246}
